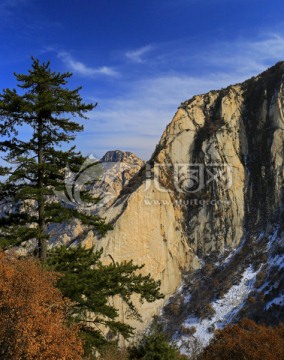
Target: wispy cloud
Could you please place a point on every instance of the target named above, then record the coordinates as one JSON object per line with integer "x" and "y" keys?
{"x": 146, "y": 105}
{"x": 244, "y": 55}
{"x": 138, "y": 54}
{"x": 8, "y": 8}
{"x": 8, "y": 5}
{"x": 82, "y": 69}
{"x": 136, "y": 120}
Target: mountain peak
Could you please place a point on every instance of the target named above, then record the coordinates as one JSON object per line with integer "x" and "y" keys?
{"x": 121, "y": 156}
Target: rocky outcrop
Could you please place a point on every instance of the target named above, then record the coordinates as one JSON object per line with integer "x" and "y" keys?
{"x": 107, "y": 178}
{"x": 214, "y": 180}
{"x": 118, "y": 156}
{"x": 118, "y": 168}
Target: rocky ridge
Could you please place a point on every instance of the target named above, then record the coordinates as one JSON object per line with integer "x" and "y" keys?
{"x": 212, "y": 189}
{"x": 108, "y": 176}
{"x": 205, "y": 214}
{"x": 118, "y": 168}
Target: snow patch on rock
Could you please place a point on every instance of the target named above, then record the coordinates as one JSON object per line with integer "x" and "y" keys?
{"x": 225, "y": 311}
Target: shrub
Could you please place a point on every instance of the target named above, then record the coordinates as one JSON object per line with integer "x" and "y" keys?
{"x": 188, "y": 330}
{"x": 206, "y": 311}
{"x": 193, "y": 346}
{"x": 260, "y": 277}
{"x": 111, "y": 352}
{"x": 246, "y": 340}
{"x": 155, "y": 346}
{"x": 33, "y": 314}
{"x": 174, "y": 308}
{"x": 207, "y": 269}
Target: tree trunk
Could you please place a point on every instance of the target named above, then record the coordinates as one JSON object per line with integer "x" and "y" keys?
{"x": 42, "y": 241}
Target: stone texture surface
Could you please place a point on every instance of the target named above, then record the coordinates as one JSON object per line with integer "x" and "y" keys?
{"x": 118, "y": 168}
{"x": 168, "y": 217}
{"x": 163, "y": 224}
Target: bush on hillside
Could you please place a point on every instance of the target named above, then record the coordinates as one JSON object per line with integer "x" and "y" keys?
{"x": 33, "y": 314}
{"x": 246, "y": 340}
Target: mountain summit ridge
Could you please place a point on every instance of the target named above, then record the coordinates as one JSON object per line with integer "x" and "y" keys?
{"x": 121, "y": 156}
{"x": 161, "y": 222}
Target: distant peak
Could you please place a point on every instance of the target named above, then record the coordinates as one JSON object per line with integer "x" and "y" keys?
{"x": 120, "y": 156}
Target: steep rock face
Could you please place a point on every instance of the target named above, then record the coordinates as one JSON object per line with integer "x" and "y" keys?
{"x": 107, "y": 178}
{"x": 149, "y": 232}
{"x": 118, "y": 168}
{"x": 207, "y": 134}
{"x": 214, "y": 181}
{"x": 114, "y": 170}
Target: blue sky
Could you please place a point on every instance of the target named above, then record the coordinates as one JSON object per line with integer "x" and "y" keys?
{"x": 140, "y": 59}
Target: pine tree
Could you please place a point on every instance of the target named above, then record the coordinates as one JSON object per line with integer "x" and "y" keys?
{"x": 43, "y": 109}
{"x": 92, "y": 286}
{"x": 155, "y": 345}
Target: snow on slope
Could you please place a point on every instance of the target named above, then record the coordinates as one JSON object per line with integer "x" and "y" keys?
{"x": 225, "y": 310}
{"x": 279, "y": 300}
{"x": 276, "y": 264}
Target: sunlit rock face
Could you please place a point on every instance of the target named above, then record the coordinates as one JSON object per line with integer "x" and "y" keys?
{"x": 106, "y": 178}
{"x": 118, "y": 168}
{"x": 213, "y": 188}
{"x": 214, "y": 180}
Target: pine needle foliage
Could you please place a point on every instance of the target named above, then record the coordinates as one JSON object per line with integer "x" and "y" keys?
{"x": 44, "y": 108}
{"x": 92, "y": 286}
{"x": 155, "y": 345}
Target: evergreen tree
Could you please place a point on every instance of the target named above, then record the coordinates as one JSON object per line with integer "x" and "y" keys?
{"x": 92, "y": 286}
{"x": 155, "y": 345}
{"x": 43, "y": 109}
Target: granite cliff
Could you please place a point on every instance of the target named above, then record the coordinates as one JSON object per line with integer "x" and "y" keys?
{"x": 209, "y": 201}
{"x": 107, "y": 177}
{"x": 205, "y": 213}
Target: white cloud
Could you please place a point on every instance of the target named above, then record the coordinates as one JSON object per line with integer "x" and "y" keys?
{"x": 137, "y": 55}
{"x": 136, "y": 119}
{"x": 246, "y": 56}
{"x": 82, "y": 69}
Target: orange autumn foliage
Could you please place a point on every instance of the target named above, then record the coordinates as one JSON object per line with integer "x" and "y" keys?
{"x": 246, "y": 341}
{"x": 33, "y": 314}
